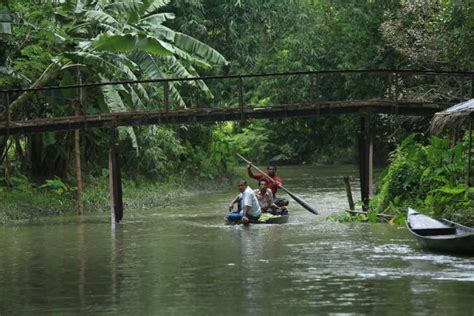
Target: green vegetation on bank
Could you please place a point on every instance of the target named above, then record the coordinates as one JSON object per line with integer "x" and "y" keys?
{"x": 61, "y": 42}
{"x": 431, "y": 178}
{"x": 24, "y": 201}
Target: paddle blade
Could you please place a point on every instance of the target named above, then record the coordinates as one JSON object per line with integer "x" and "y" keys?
{"x": 303, "y": 203}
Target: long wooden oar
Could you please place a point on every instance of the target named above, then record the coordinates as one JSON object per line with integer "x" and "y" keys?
{"x": 299, "y": 200}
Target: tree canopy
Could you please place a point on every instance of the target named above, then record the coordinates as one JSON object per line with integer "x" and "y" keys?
{"x": 61, "y": 42}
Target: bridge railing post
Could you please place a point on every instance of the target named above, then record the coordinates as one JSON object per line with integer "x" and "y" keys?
{"x": 166, "y": 95}
{"x": 241, "y": 98}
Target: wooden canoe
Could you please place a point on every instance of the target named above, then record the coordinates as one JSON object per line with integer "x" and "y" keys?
{"x": 440, "y": 235}
{"x": 280, "y": 219}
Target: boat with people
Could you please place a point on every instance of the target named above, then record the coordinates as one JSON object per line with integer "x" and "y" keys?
{"x": 440, "y": 235}
{"x": 261, "y": 206}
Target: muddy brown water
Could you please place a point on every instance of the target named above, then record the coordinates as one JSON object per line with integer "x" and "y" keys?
{"x": 184, "y": 260}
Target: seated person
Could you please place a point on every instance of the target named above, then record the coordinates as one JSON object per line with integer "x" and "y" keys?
{"x": 249, "y": 208}
{"x": 273, "y": 182}
{"x": 266, "y": 200}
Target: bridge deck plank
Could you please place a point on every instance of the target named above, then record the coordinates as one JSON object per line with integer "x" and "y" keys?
{"x": 198, "y": 115}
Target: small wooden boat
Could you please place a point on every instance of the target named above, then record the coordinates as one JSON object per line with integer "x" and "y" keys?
{"x": 440, "y": 235}
{"x": 276, "y": 219}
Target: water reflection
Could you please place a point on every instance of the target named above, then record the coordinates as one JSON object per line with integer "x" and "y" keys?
{"x": 81, "y": 255}
{"x": 116, "y": 260}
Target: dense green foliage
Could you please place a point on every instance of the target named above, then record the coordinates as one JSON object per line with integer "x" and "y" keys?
{"x": 62, "y": 42}
{"x": 268, "y": 36}
{"x": 102, "y": 41}
{"x": 430, "y": 178}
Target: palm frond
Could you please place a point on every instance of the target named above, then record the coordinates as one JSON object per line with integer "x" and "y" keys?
{"x": 198, "y": 48}
{"x": 162, "y": 32}
{"x": 114, "y": 102}
{"x": 125, "y": 64}
{"x": 151, "y": 6}
{"x": 130, "y": 9}
{"x": 130, "y": 42}
{"x": 200, "y": 83}
{"x": 102, "y": 17}
{"x": 176, "y": 67}
{"x": 176, "y": 96}
{"x": 148, "y": 65}
{"x": 158, "y": 18}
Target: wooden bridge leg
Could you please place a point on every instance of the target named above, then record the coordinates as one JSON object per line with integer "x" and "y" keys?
{"x": 115, "y": 180}
{"x": 365, "y": 160}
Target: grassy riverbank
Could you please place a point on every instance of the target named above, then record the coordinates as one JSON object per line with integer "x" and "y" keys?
{"x": 28, "y": 202}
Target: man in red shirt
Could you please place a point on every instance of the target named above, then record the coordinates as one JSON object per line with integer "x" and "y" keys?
{"x": 273, "y": 181}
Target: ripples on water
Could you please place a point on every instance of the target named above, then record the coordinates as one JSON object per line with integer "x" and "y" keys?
{"x": 184, "y": 260}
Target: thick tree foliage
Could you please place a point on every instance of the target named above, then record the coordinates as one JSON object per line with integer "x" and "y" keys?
{"x": 58, "y": 41}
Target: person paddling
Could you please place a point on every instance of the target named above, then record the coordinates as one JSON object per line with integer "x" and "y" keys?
{"x": 273, "y": 182}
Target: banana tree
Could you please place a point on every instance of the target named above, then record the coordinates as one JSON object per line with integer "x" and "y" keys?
{"x": 128, "y": 40}
{"x": 123, "y": 40}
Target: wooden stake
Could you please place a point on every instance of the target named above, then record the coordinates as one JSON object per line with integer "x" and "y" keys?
{"x": 349, "y": 192}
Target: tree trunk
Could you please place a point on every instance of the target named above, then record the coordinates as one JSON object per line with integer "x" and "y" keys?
{"x": 48, "y": 74}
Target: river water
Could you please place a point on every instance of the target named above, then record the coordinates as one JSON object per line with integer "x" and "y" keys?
{"x": 183, "y": 260}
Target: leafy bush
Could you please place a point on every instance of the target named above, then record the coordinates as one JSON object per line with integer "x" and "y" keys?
{"x": 57, "y": 186}
{"x": 430, "y": 178}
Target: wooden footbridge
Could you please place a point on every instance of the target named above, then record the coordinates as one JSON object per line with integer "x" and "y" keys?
{"x": 367, "y": 93}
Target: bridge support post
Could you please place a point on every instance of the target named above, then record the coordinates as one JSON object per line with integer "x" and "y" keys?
{"x": 115, "y": 180}
{"x": 365, "y": 159}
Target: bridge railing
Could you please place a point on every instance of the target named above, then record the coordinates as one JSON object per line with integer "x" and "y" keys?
{"x": 235, "y": 91}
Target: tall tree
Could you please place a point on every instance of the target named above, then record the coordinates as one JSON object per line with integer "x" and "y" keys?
{"x": 109, "y": 40}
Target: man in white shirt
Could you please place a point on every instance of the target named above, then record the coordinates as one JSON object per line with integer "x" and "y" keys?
{"x": 249, "y": 208}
